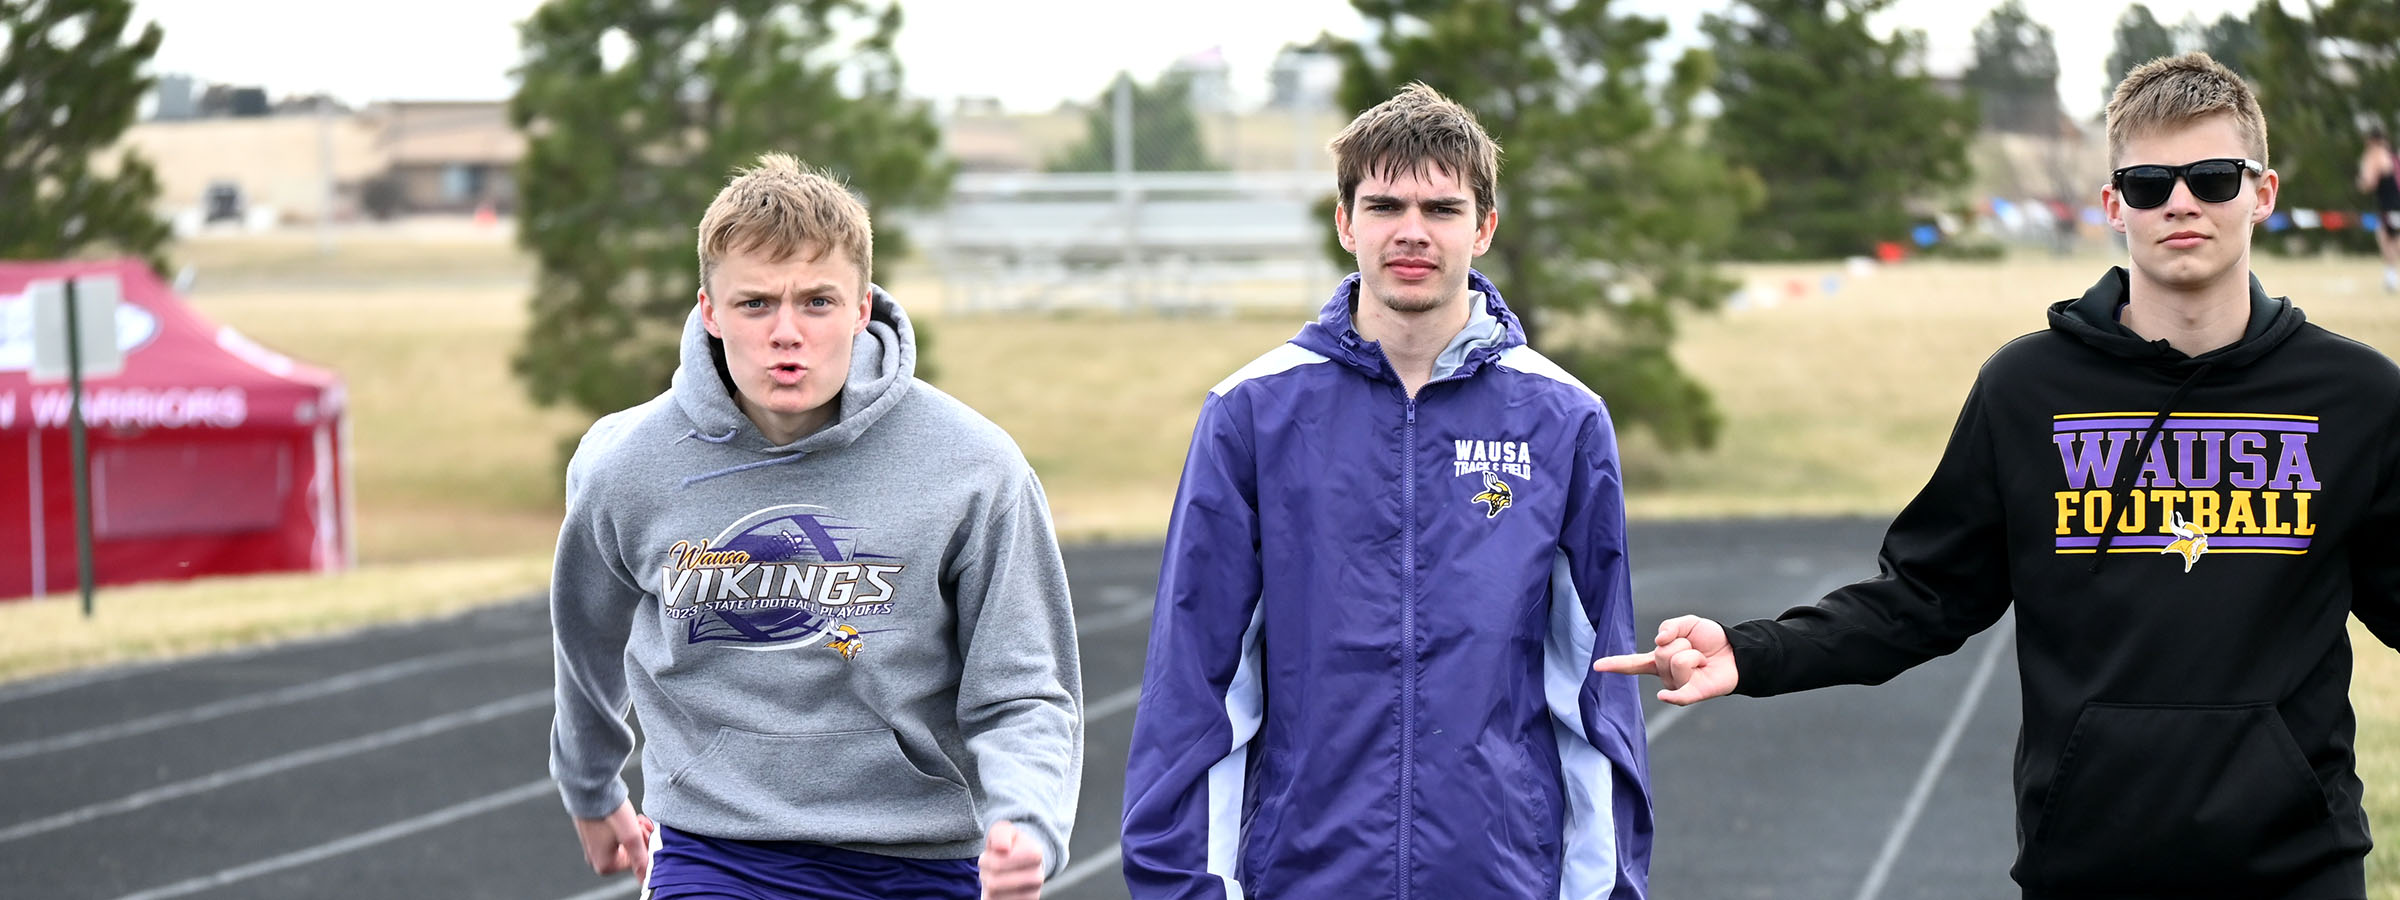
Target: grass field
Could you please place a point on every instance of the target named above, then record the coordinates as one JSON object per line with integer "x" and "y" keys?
{"x": 2375, "y": 692}
{"x": 1841, "y": 403}
{"x": 1833, "y": 403}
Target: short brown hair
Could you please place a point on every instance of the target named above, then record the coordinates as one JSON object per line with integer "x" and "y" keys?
{"x": 1417, "y": 128}
{"x": 786, "y": 208}
{"x": 2174, "y": 91}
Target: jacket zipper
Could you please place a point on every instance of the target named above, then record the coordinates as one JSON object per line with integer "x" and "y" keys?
{"x": 1408, "y": 631}
{"x": 1408, "y": 645}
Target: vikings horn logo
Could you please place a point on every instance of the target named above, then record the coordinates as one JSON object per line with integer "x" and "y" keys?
{"x": 2192, "y": 544}
{"x": 1495, "y": 496}
{"x": 846, "y": 640}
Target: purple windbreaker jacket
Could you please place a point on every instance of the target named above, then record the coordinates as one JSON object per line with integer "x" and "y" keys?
{"x": 1369, "y": 670}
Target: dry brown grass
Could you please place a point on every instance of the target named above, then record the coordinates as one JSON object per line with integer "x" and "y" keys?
{"x": 1841, "y": 403}
{"x": 171, "y": 619}
{"x": 2375, "y": 692}
{"x": 1102, "y": 405}
{"x": 1833, "y": 404}
{"x": 408, "y": 255}
{"x": 453, "y": 461}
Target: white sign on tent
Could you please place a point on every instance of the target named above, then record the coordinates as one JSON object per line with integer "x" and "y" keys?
{"x": 96, "y": 299}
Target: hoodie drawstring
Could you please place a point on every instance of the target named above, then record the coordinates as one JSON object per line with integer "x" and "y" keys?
{"x": 787, "y": 457}
{"x": 719, "y": 439}
{"x": 2140, "y": 461}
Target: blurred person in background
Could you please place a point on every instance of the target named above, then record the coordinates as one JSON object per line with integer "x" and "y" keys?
{"x": 2376, "y": 176}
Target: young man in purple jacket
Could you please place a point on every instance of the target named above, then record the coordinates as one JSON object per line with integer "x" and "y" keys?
{"x": 1398, "y": 546}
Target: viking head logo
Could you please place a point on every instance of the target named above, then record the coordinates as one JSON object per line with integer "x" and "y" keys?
{"x": 846, "y": 640}
{"x": 2192, "y": 544}
{"x": 1495, "y": 496}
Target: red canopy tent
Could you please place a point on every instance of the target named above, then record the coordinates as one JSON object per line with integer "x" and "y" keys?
{"x": 209, "y": 454}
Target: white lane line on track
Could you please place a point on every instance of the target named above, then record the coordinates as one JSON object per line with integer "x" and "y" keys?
{"x": 524, "y": 702}
{"x": 51, "y": 684}
{"x": 1666, "y": 718}
{"x": 232, "y": 705}
{"x": 1113, "y": 618}
{"x": 624, "y": 887}
{"x": 1917, "y": 796}
{"x": 1083, "y": 869}
{"x": 1108, "y": 859}
{"x": 1104, "y": 861}
{"x": 1111, "y": 705}
{"x": 1118, "y": 612}
{"x": 359, "y": 841}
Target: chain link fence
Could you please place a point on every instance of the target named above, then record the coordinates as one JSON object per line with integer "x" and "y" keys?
{"x": 1172, "y": 197}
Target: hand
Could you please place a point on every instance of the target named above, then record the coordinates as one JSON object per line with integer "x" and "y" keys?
{"x": 618, "y": 842}
{"x": 1011, "y": 866}
{"x": 1693, "y": 660}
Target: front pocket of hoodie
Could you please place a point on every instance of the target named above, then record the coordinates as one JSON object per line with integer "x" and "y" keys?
{"x": 2161, "y": 796}
{"x": 844, "y": 786}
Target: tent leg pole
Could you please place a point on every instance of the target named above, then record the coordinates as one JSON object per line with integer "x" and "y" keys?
{"x": 37, "y": 518}
{"x": 76, "y": 453}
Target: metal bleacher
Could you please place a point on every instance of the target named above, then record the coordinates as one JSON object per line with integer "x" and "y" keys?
{"x": 1138, "y": 241}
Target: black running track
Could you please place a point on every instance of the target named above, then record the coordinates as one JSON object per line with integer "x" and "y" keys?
{"x": 408, "y": 762}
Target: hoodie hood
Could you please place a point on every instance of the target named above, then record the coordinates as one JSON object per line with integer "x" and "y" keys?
{"x": 2092, "y": 320}
{"x": 883, "y": 365}
{"x": 1490, "y": 331}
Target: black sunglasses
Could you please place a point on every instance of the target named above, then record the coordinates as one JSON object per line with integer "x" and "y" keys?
{"x": 2212, "y": 181}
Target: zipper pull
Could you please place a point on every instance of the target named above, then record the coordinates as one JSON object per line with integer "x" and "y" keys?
{"x": 1412, "y": 411}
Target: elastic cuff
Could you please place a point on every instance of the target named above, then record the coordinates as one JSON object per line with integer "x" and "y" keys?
{"x": 594, "y": 805}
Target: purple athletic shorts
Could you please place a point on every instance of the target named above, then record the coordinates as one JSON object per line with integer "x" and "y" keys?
{"x": 694, "y": 866}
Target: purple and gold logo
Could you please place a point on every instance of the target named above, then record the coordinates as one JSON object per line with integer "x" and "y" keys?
{"x": 2213, "y": 483}
{"x": 781, "y": 578}
{"x": 1496, "y": 496}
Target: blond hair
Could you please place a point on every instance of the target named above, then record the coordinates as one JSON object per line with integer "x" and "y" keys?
{"x": 1416, "y": 129}
{"x": 2174, "y": 91}
{"x": 785, "y": 208}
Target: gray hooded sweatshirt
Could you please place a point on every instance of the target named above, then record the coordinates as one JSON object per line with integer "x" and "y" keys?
{"x": 861, "y": 638}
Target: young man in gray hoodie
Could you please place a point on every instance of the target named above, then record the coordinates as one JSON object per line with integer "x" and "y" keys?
{"x": 830, "y": 592}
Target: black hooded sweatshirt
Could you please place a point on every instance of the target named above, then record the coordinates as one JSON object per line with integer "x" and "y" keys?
{"x": 2180, "y": 622}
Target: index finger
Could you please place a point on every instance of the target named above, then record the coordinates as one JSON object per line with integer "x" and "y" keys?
{"x": 1628, "y": 664}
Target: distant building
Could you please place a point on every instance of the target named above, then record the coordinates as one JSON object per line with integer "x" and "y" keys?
{"x": 225, "y": 100}
{"x": 309, "y": 105}
{"x": 178, "y": 98}
{"x": 276, "y": 163}
{"x": 457, "y": 157}
{"x": 389, "y": 159}
{"x": 451, "y": 156}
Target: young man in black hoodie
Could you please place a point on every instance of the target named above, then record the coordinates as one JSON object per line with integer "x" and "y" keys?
{"x": 2184, "y": 489}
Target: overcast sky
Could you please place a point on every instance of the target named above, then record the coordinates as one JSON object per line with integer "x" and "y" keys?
{"x": 1028, "y": 53}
